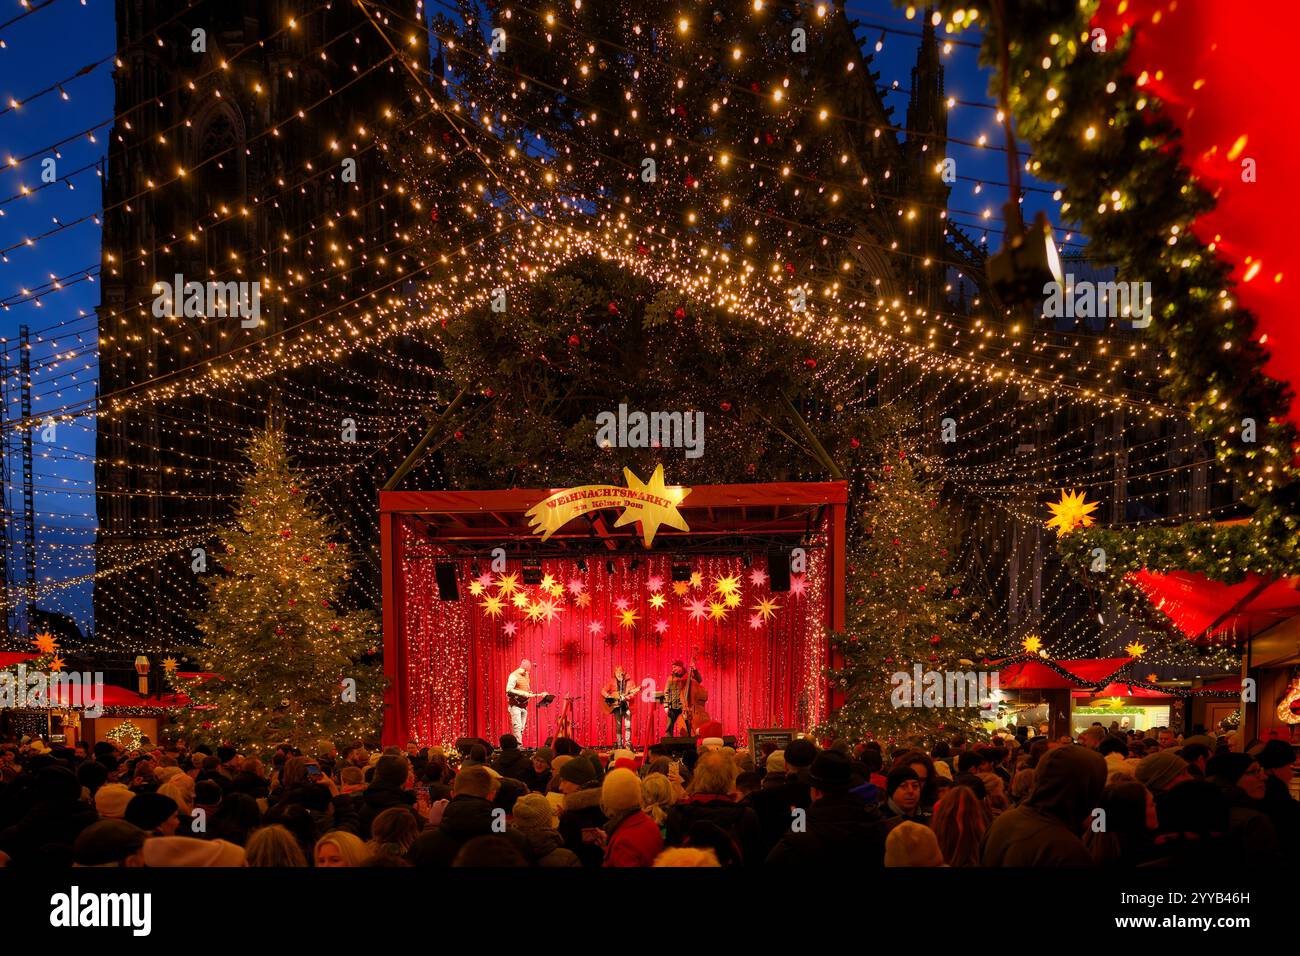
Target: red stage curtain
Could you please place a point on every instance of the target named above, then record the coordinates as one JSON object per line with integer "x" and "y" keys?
{"x": 458, "y": 658}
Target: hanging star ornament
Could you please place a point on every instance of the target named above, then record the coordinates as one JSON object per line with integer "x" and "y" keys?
{"x": 654, "y": 583}
{"x": 519, "y": 599}
{"x": 767, "y": 608}
{"x": 508, "y": 583}
{"x": 627, "y": 618}
{"x": 57, "y": 663}
{"x": 718, "y": 611}
{"x": 1071, "y": 512}
{"x": 699, "y": 610}
{"x": 170, "y": 664}
{"x": 583, "y": 599}
{"x": 697, "y": 579}
{"x": 509, "y": 628}
{"x": 726, "y": 585}
{"x": 476, "y": 588}
{"x": 595, "y": 627}
{"x": 1032, "y": 644}
{"x": 661, "y": 627}
{"x": 755, "y": 621}
{"x": 758, "y": 577}
{"x": 45, "y": 642}
{"x": 657, "y": 601}
{"x": 680, "y": 588}
{"x": 1136, "y": 649}
{"x": 492, "y": 606}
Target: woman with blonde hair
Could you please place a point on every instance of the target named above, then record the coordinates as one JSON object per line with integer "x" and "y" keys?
{"x": 995, "y": 794}
{"x": 658, "y": 794}
{"x": 340, "y": 848}
{"x": 912, "y": 844}
{"x": 274, "y": 846}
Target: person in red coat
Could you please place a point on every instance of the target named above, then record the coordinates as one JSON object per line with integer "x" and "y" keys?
{"x": 631, "y": 836}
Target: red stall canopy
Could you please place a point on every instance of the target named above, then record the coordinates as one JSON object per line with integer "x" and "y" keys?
{"x": 1037, "y": 673}
{"x": 1211, "y": 612}
{"x": 1118, "y": 689}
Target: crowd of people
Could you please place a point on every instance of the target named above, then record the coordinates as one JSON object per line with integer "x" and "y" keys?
{"x": 1105, "y": 798}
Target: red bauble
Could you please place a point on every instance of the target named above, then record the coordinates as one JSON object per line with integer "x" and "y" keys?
{"x": 690, "y": 180}
{"x": 854, "y": 443}
{"x": 331, "y": 545}
{"x": 680, "y": 313}
{"x": 488, "y": 393}
{"x": 279, "y": 630}
{"x": 613, "y": 307}
{"x": 641, "y": 249}
{"x": 751, "y": 468}
{"x": 285, "y": 533}
{"x": 725, "y": 406}
{"x": 574, "y": 341}
{"x": 935, "y": 640}
{"x": 810, "y": 363}
{"x": 897, "y": 542}
{"x": 458, "y": 435}
{"x": 293, "y": 602}
{"x": 934, "y": 657}
{"x": 956, "y": 591}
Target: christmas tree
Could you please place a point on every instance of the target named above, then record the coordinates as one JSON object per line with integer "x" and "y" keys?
{"x": 285, "y": 653}
{"x": 904, "y": 609}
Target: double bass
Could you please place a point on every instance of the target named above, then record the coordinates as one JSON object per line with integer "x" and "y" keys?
{"x": 694, "y": 699}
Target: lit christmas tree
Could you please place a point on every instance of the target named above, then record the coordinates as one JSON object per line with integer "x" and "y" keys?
{"x": 904, "y": 608}
{"x": 285, "y": 653}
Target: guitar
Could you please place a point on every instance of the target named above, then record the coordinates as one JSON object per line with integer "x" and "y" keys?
{"x": 520, "y": 699}
{"x": 612, "y": 702}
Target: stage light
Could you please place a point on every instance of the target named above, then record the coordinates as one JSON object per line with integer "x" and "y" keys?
{"x": 635, "y": 563}
{"x": 609, "y": 568}
{"x": 582, "y": 565}
{"x": 747, "y": 559}
{"x": 445, "y": 574}
{"x": 681, "y": 571}
{"x": 532, "y": 572}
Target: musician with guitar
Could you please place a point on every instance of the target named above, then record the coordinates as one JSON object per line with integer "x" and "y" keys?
{"x": 518, "y": 694}
{"x": 617, "y": 696}
{"x": 684, "y": 699}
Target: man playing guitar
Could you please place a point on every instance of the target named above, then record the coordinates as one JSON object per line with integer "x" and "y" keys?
{"x": 618, "y": 695}
{"x": 518, "y": 694}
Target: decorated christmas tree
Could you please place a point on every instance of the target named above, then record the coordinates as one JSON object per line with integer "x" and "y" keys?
{"x": 904, "y": 609}
{"x": 284, "y": 652}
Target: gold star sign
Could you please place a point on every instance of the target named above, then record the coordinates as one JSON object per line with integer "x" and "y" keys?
{"x": 658, "y": 505}
{"x": 1071, "y": 512}
{"x": 767, "y": 607}
{"x": 45, "y": 642}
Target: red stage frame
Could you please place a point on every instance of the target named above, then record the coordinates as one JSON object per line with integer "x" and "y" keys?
{"x": 499, "y": 515}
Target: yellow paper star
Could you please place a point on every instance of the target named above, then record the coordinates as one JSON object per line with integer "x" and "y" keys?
{"x": 627, "y": 618}
{"x": 1071, "y": 512}
{"x": 556, "y": 589}
{"x": 697, "y": 579}
{"x": 657, "y": 601}
{"x": 717, "y": 611}
{"x": 519, "y": 599}
{"x": 534, "y": 612}
{"x": 1032, "y": 644}
{"x": 549, "y": 610}
{"x": 767, "y": 607}
{"x": 508, "y": 583}
{"x": 732, "y": 600}
{"x": 492, "y": 606}
{"x": 658, "y": 508}
{"x": 680, "y": 588}
{"x": 1136, "y": 649}
{"x": 45, "y": 642}
{"x": 727, "y": 584}
{"x": 476, "y": 588}
{"x": 548, "y": 582}
{"x": 170, "y": 664}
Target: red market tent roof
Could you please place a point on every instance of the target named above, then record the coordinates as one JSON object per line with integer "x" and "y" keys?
{"x": 1212, "y": 612}
{"x": 1037, "y": 673}
{"x": 114, "y": 696}
{"x": 1117, "y": 689}
{"x": 10, "y": 658}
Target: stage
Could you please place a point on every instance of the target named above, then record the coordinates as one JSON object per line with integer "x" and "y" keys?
{"x": 592, "y": 596}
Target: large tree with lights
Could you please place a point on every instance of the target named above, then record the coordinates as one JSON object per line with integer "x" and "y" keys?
{"x": 288, "y": 658}
{"x": 905, "y": 608}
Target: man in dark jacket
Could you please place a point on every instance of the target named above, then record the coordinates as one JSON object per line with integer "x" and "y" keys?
{"x": 1045, "y": 830}
{"x": 389, "y": 787}
{"x": 510, "y": 761}
{"x": 1277, "y": 759}
{"x": 774, "y": 804}
{"x": 581, "y": 811}
{"x": 46, "y": 833}
{"x": 537, "y": 776}
{"x": 468, "y": 815}
{"x": 838, "y": 829}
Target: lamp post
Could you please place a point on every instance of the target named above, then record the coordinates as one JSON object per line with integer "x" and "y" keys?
{"x": 142, "y": 669}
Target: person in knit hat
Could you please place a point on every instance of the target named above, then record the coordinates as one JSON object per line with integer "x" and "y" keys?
{"x": 911, "y": 844}
{"x": 632, "y": 837}
{"x": 171, "y": 851}
{"x": 109, "y": 843}
{"x": 537, "y": 775}
{"x": 1161, "y": 770}
{"x": 581, "y": 818}
{"x": 111, "y": 800}
{"x": 535, "y": 820}
{"x": 153, "y": 813}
